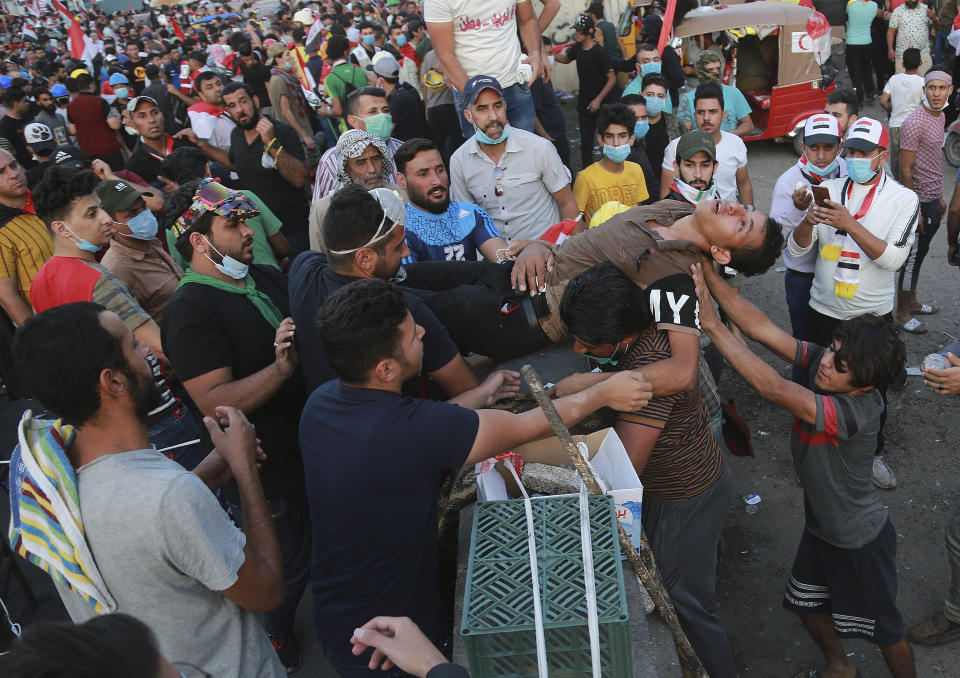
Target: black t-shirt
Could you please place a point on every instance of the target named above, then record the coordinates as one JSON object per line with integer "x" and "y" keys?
{"x": 655, "y": 144}
{"x": 373, "y": 462}
{"x": 11, "y": 129}
{"x": 288, "y": 202}
{"x": 157, "y": 90}
{"x": 204, "y": 329}
{"x": 136, "y": 74}
{"x": 257, "y": 76}
{"x": 406, "y": 109}
{"x": 548, "y": 109}
{"x": 145, "y": 162}
{"x": 35, "y": 174}
{"x": 311, "y": 282}
{"x": 592, "y": 68}
{"x": 638, "y": 154}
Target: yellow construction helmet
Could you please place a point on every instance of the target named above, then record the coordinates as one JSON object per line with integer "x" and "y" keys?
{"x": 433, "y": 80}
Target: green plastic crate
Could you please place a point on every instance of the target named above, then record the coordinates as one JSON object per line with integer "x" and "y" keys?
{"x": 497, "y": 624}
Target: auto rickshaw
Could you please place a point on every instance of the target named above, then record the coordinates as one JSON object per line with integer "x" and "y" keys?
{"x": 796, "y": 87}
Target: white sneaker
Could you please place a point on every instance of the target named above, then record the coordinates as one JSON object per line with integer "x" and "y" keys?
{"x": 883, "y": 475}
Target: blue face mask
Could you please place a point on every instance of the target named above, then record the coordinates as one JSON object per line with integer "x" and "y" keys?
{"x": 83, "y": 243}
{"x": 229, "y": 266}
{"x": 859, "y": 169}
{"x": 616, "y": 153}
{"x": 484, "y": 139}
{"x": 369, "y": 39}
{"x": 825, "y": 171}
{"x": 142, "y": 227}
{"x": 401, "y": 40}
{"x": 121, "y": 92}
{"x": 649, "y": 67}
{"x": 655, "y": 105}
{"x": 640, "y": 129}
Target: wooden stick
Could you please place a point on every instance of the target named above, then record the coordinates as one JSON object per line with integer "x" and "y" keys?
{"x": 643, "y": 563}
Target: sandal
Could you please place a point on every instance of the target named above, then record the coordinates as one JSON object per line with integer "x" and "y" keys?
{"x": 936, "y": 631}
{"x": 914, "y": 326}
{"x": 926, "y": 309}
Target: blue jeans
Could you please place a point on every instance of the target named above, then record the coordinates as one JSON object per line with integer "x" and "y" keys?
{"x": 798, "y": 303}
{"x": 178, "y": 426}
{"x": 520, "y": 111}
{"x": 939, "y": 45}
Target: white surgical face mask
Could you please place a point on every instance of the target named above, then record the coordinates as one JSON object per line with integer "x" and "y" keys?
{"x": 229, "y": 266}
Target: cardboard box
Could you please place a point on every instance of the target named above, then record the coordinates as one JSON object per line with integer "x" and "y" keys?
{"x": 610, "y": 463}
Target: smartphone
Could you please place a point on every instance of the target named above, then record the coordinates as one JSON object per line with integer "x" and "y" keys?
{"x": 820, "y": 195}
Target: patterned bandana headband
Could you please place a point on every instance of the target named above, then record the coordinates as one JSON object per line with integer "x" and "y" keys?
{"x": 938, "y": 75}
{"x": 213, "y": 197}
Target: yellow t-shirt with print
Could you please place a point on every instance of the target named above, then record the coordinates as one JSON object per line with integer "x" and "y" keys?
{"x": 595, "y": 187}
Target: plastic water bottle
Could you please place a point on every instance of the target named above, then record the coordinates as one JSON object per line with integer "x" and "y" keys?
{"x": 753, "y": 503}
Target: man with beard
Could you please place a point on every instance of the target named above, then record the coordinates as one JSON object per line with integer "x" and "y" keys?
{"x": 365, "y": 243}
{"x": 154, "y": 144}
{"x": 48, "y": 116}
{"x": 67, "y": 202}
{"x": 230, "y": 340}
{"x": 438, "y": 229}
{"x": 362, "y": 159}
{"x": 695, "y": 163}
{"x": 267, "y": 156}
{"x": 910, "y": 26}
{"x": 153, "y": 535}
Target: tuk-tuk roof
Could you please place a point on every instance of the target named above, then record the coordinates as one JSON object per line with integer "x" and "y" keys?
{"x": 760, "y": 13}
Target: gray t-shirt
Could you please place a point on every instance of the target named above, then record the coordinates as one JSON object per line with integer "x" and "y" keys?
{"x": 434, "y": 99}
{"x": 57, "y": 126}
{"x": 166, "y": 549}
{"x": 834, "y": 462}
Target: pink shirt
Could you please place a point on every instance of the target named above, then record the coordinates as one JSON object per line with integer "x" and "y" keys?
{"x": 923, "y": 133}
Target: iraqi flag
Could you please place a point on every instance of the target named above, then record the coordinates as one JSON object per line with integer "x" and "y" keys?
{"x": 314, "y": 37}
{"x": 28, "y": 33}
{"x": 81, "y": 47}
{"x": 177, "y": 31}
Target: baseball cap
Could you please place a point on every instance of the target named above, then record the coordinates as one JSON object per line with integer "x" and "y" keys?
{"x": 136, "y": 101}
{"x": 583, "y": 23}
{"x": 70, "y": 156}
{"x": 866, "y": 134}
{"x": 273, "y": 51}
{"x": 116, "y": 196}
{"x": 693, "y": 142}
{"x": 110, "y": 57}
{"x": 58, "y": 90}
{"x": 477, "y": 84}
{"x": 211, "y": 196}
{"x": 304, "y": 16}
{"x": 39, "y": 136}
{"x": 822, "y": 128}
{"x": 118, "y": 79}
{"x": 386, "y": 66}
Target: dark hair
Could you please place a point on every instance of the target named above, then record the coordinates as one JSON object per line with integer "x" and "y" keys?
{"x": 59, "y": 188}
{"x": 46, "y": 350}
{"x": 655, "y": 79}
{"x": 234, "y": 86}
{"x": 602, "y": 305}
{"x": 13, "y": 95}
{"x": 40, "y": 90}
{"x": 184, "y": 164}
{"x": 359, "y": 325}
{"x": 297, "y": 34}
{"x": 633, "y": 99}
{"x": 198, "y": 55}
{"x": 409, "y": 149}
{"x": 845, "y": 96}
{"x": 596, "y": 9}
{"x": 647, "y": 47}
{"x": 84, "y": 80}
{"x": 345, "y": 20}
{"x": 912, "y": 59}
{"x": 353, "y": 99}
{"x": 202, "y": 77}
{"x": 708, "y": 90}
{"x": 615, "y": 114}
{"x": 756, "y": 260}
{"x": 415, "y": 24}
{"x": 109, "y": 646}
{"x": 337, "y": 46}
{"x": 871, "y": 350}
{"x": 365, "y": 24}
{"x": 351, "y": 220}
{"x": 178, "y": 203}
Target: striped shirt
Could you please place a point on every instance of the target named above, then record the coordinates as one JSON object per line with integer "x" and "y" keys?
{"x": 25, "y": 245}
{"x": 686, "y": 459}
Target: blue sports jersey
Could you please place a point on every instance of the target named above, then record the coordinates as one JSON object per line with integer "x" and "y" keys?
{"x": 453, "y": 235}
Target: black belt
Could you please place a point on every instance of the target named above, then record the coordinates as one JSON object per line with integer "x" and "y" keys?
{"x": 802, "y": 274}
{"x": 534, "y": 308}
